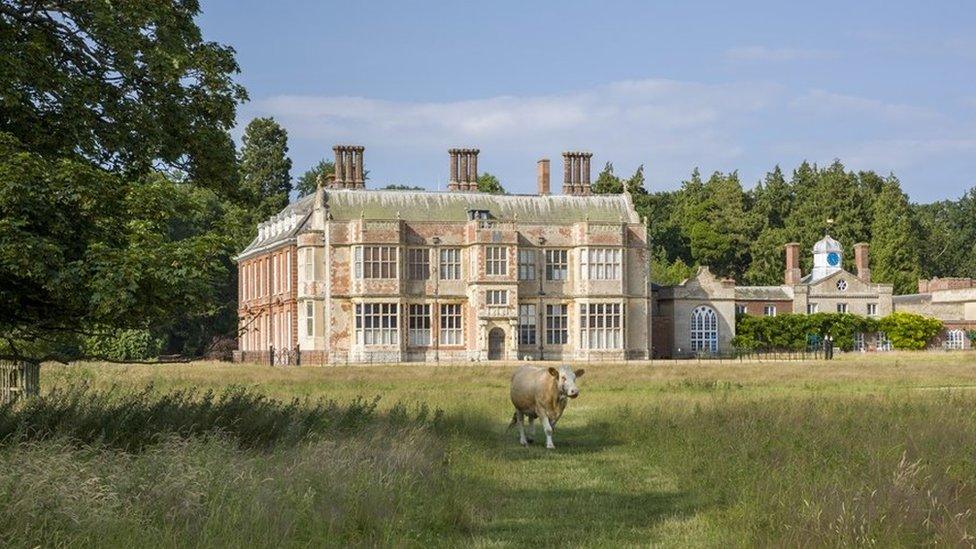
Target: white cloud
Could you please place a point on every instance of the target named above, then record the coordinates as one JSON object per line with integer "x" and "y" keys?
{"x": 762, "y": 54}
{"x": 819, "y": 102}
{"x": 672, "y": 126}
{"x": 662, "y": 121}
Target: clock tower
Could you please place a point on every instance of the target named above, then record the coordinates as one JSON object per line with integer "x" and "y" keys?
{"x": 827, "y": 258}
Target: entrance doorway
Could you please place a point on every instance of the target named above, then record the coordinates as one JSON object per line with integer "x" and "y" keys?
{"x": 496, "y": 344}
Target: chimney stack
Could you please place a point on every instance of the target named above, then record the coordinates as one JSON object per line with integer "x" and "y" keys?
{"x": 464, "y": 170}
{"x": 349, "y": 172}
{"x": 576, "y": 173}
{"x": 542, "y": 169}
{"x": 861, "y": 261}
{"x": 792, "y": 275}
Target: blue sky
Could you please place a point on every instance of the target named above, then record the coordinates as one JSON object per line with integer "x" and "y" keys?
{"x": 887, "y": 86}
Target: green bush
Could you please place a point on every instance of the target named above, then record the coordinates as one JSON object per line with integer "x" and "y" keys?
{"x": 910, "y": 331}
{"x": 123, "y": 345}
{"x": 793, "y": 331}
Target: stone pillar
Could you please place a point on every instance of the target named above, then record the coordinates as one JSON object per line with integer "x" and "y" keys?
{"x": 577, "y": 173}
{"x": 473, "y": 176}
{"x": 452, "y": 184}
{"x": 339, "y": 180}
{"x": 348, "y": 169}
{"x": 792, "y": 275}
{"x": 861, "y": 261}
{"x": 463, "y": 178}
{"x": 567, "y": 173}
{"x": 542, "y": 171}
{"x": 358, "y": 160}
{"x": 585, "y": 183}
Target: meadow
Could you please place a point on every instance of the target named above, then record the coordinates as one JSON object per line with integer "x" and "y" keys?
{"x": 862, "y": 450}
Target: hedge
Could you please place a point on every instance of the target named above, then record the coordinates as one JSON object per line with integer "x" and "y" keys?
{"x": 795, "y": 331}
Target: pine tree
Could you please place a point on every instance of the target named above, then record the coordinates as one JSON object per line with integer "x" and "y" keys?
{"x": 827, "y": 194}
{"x": 716, "y": 223}
{"x": 895, "y": 245}
{"x": 773, "y": 199}
{"x": 606, "y": 182}
{"x": 488, "y": 183}
{"x": 265, "y": 167}
{"x": 309, "y": 180}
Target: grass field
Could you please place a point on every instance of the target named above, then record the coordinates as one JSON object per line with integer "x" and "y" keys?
{"x": 863, "y": 450}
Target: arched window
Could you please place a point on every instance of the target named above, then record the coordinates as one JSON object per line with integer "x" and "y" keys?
{"x": 955, "y": 339}
{"x": 704, "y": 330}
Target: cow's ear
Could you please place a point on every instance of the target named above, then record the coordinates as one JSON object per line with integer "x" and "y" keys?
{"x": 580, "y": 372}
{"x": 553, "y": 372}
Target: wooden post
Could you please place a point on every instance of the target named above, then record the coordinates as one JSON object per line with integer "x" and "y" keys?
{"x": 19, "y": 379}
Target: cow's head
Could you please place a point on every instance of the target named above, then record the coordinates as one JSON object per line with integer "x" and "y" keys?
{"x": 566, "y": 380}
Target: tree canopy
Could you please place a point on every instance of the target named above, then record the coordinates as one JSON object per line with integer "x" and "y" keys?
{"x": 741, "y": 233}
{"x": 488, "y": 183}
{"x": 309, "y": 180}
{"x": 117, "y": 170}
{"x": 265, "y": 167}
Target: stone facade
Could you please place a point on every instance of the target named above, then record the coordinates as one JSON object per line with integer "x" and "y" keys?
{"x": 951, "y": 300}
{"x": 827, "y": 289}
{"x": 409, "y": 276}
{"x": 351, "y": 275}
{"x": 682, "y": 307}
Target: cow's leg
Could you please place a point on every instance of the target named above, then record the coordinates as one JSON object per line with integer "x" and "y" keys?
{"x": 547, "y": 427}
{"x": 533, "y": 426}
{"x": 520, "y": 417}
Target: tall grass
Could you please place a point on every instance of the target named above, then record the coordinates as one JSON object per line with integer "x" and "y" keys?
{"x": 80, "y": 467}
{"x": 132, "y": 420}
{"x": 882, "y": 470}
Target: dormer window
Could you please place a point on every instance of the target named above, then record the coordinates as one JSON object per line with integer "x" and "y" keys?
{"x": 478, "y": 215}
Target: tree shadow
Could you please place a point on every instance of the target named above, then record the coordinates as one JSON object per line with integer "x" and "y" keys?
{"x": 569, "y": 438}
{"x": 593, "y": 488}
{"x": 539, "y": 516}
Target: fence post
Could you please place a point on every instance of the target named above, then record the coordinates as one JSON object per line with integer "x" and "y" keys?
{"x": 271, "y": 355}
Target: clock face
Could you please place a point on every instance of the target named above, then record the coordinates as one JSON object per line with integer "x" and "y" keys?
{"x": 833, "y": 259}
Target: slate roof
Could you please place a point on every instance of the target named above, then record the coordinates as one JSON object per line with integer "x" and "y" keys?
{"x": 912, "y": 298}
{"x": 412, "y": 205}
{"x": 345, "y": 205}
{"x": 763, "y": 293}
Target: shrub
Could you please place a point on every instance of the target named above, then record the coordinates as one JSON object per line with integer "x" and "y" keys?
{"x": 124, "y": 345}
{"x": 909, "y": 331}
{"x": 793, "y": 331}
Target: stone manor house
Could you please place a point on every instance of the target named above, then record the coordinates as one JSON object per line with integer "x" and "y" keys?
{"x": 350, "y": 274}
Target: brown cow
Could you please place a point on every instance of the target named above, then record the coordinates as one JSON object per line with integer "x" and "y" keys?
{"x": 541, "y": 393}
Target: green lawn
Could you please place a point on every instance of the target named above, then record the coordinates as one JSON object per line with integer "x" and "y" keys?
{"x": 862, "y": 450}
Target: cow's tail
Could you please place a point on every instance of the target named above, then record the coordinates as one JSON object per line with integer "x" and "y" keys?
{"x": 513, "y": 422}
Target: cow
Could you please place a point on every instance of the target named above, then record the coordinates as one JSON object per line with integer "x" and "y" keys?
{"x": 541, "y": 393}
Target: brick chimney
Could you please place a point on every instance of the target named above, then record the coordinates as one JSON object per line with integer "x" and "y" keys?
{"x": 576, "y": 173}
{"x": 542, "y": 171}
{"x": 792, "y": 275}
{"x": 861, "y": 261}
{"x": 348, "y": 167}
{"x": 464, "y": 170}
